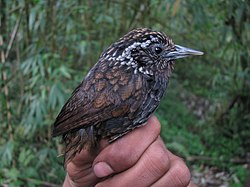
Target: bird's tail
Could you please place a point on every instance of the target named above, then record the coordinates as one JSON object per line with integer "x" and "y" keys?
{"x": 76, "y": 141}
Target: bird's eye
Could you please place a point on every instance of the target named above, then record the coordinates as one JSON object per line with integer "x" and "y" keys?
{"x": 158, "y": 50}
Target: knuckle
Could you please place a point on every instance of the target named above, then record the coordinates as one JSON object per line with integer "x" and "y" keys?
{"x": 73, "y": 173}
{"x": 122, "y": 157}
{"x": 181, "y": 173}
{"x": 159, "y": 161}
{"x": 157, "y": 126}
{"x": 163, "y": 162}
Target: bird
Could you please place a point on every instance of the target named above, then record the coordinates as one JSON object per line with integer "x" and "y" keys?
{"x": 120, "y": 92}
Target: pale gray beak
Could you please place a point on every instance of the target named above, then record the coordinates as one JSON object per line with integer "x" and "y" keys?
{"x": 182, "y": 52}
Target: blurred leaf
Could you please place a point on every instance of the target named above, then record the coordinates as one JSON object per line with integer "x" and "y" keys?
{"x": 176, "y": 7}
{"x": 65, "y": 72}
{"x": 25, "y": 157}
{"x": 12, "y": 174}
{"x": 178, "y": 148}
{"x": 56, "y": 96}
{"x": 6, "y": 152}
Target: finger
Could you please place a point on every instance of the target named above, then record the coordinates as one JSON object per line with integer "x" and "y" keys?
{"x": 150, "y": 167}
{"x": 89, "y": 180}
{"x": 82, "y": 158}
{"x": 80, "y": 171}
{"x": 177, "y": 176}
{"x": 124, "y": 152}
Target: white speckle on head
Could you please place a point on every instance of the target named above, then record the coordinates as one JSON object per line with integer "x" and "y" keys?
{"x": 153, "y": 39}
{"x": 141, "y": 69}
{"x": 123, "y": 62}
{"x": 128, "y": 68}
{"x": 128, "y": 57}
{"x": 114, "y": 54}
{"x": 125, "y": 58}
{"x": 128, "y": 63}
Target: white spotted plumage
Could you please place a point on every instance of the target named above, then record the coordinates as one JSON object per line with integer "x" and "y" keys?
{"x": 125, "y": 58}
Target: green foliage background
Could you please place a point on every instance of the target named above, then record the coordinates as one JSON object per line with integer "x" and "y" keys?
{"x": 205, "y": 113}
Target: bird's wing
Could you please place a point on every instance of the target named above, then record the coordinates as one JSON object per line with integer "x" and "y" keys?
{"x": 101, "y": 96}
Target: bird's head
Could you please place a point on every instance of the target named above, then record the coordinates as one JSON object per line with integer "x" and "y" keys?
{"x": 146, "y": 51}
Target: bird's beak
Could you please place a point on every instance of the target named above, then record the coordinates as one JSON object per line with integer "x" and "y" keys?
{"x": 181, "y": 52}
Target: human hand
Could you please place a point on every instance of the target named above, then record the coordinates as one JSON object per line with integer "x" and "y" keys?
{"x": 138, "y": 159}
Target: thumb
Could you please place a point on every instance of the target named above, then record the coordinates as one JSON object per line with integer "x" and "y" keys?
{"x": 126, "y": 151}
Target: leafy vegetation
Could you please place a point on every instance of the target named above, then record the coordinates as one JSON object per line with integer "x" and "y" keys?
{"x": 48, "y": 46}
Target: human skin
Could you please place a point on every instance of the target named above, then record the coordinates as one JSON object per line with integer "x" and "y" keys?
{"x": 139, "y": 158}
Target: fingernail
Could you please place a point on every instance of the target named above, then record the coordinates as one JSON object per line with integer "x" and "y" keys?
{"x": 102, "y": 169}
